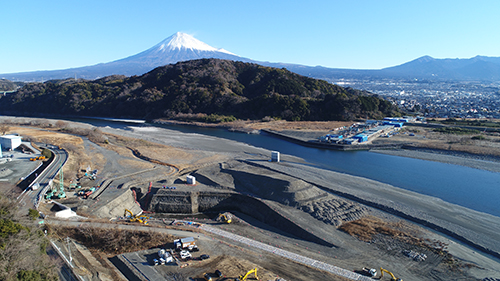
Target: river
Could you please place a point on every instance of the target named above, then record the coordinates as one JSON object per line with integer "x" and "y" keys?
{"x": 472, "y": 188}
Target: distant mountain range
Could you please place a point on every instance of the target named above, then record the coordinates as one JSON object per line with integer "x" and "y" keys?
{"x": 183, "y": 47}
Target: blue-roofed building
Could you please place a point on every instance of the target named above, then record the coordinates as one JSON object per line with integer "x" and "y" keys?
{"x": 361, "y": 137}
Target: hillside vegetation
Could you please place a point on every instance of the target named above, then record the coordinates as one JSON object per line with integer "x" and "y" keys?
{"x": 23, "y": 248}
{"x": 209, "y": 86}
{"x": 6, "y": 85}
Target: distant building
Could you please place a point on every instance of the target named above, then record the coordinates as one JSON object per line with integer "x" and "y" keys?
{"x": 393, "y": 123}
{"x": 10, "y": 141}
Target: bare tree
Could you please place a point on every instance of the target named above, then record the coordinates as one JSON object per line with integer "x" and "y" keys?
{"x": 61, "y": 124}
{"x": 4, "y": 129}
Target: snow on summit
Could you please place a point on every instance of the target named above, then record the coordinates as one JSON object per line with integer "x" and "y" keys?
{"x": 180, "y": 41}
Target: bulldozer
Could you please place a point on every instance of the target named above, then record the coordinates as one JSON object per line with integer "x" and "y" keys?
{"x": 224, "y": 218}
{"x": 244, "y": 277}
{"x": 132, "y": 218}
{"x": 393, "y": 278}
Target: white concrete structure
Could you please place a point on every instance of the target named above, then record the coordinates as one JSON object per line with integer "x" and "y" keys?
{"x": 275, "y": 156}
{"x": 191, "y": 180}
{"x": 10, "y": 141}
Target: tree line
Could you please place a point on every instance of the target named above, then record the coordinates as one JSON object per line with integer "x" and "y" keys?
{"x": 222, "y": 89}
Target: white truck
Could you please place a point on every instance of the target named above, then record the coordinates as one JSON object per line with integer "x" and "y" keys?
{"x": 185, "y": 255}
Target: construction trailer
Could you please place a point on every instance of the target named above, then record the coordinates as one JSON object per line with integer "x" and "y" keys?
{"x": 185, "y": 243}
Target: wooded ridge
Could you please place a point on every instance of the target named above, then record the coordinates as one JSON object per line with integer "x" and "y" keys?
{"x": 208, "y": 86}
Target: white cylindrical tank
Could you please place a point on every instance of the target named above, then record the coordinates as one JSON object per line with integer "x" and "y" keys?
{"x": 191, "y": 180}
{"x": 275, "y": 156}
{"x": 161, "y": 253}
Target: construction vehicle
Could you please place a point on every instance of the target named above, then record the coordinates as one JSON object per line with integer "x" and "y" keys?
{"x": 87, "y": 192}
{"x": 207, "y": 277}
{"x": 393, "y": 278}
{"x": 184, "y": 254}
{"x": 49, "y": 194}
{"x": 224, "y": 218}
{"x": 372, "y": 272}
{"x": 132, "y": 218}
{"x": 244, "y": 277}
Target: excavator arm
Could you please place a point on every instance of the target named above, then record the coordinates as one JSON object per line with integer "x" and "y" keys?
{"x": 242, "y": 278}
{"x": 129, "y": 212}
{"x": 393, "y": 278}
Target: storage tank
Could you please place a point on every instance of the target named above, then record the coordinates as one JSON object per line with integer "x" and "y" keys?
{"x": 275, "y": 156}
{"x": 191, "y": 180}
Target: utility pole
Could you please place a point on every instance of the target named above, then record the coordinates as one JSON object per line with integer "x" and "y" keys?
{"x": 69, "y": 251}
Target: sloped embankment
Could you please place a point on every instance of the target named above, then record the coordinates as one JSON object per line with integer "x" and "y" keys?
{"x": 270, "y": 185}
{"x": 170, "y": 201}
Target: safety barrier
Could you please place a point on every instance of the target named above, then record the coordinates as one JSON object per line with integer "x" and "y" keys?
{"x": 286, "y": 254}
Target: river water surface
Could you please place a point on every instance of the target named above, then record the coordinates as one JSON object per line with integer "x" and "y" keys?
{"x": 472, "y": 188}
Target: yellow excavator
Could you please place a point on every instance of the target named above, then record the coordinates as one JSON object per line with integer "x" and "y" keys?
{"x": 132, "y": 218}
{"x": 244, "y": 277}
{"x": 393, "y": 278}
{"x": 224, "y": 218}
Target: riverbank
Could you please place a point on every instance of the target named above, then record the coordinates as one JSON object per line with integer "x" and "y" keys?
{"x": 403, "y": 147}
{"x": 482, "y": 162}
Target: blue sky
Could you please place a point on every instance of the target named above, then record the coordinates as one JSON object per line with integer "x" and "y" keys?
{"x": 45, "y": 35}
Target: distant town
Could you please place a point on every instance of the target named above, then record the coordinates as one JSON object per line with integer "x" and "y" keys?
{"x": 436, "y": 99}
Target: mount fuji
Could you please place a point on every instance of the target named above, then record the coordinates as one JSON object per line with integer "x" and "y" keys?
{"x": 176, "y": 48}
{"x": 184, "y": 47}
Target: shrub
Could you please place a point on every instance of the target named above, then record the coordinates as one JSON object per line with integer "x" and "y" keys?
{"x": 479, "y": 137}
{"x": 33, "y": 214}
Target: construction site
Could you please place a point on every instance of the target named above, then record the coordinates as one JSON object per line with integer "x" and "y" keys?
{"x": 211, "y": 209}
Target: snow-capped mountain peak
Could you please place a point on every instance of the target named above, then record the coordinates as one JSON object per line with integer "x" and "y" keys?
{"x": 180, "y": 41}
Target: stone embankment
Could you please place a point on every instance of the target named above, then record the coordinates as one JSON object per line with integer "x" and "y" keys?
{"x": 334, "y": 211}
{"x": 334, "y": 146}
{"x": 286, "y": 254}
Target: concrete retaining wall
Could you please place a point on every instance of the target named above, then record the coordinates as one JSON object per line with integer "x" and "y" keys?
{"x": 169, "y": 201}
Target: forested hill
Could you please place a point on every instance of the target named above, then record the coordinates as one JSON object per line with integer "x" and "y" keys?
{"x": 209, "y": 86}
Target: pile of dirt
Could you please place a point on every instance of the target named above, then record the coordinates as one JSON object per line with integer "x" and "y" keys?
{"x": 365, "y": 228}
{"x": 232, "y": 267}
{"x": 281, "y": 188}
